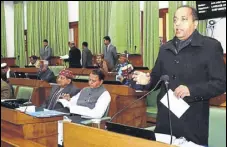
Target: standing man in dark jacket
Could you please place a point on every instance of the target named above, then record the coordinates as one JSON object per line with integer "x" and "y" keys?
{"x": 197, "y": 73}
{"x": 74, "y": 56}
{"x": 86, "y": 55}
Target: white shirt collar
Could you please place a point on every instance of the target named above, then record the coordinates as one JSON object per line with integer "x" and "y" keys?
{"x": 8, "y": 74}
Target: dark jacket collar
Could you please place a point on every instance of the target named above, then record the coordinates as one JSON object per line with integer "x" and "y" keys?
{"x": 197, "y": 40}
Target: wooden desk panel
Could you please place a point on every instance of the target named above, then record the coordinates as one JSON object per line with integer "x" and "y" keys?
{"x": 136, "y": 59}
{"x": 43, "y": 131}
{"x": 11, "y": 61}
{"x": 25, "y": 70}
{"x": 219, "y": 101}
{"x": 8, "y": 140}
{"x": 55, "y": 60}
{"x": 83, "y": 136}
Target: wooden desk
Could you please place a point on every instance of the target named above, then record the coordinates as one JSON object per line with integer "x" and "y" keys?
{"x": 83, "y": 136}
{"x": 9, "y": 140}
{"x": 55, "y": 60}
{"x": 25, "y": 70}
{"x": 43, "y": 131}
{"x": 11, "y": 61}
{"x": 136, "y": 59}
{"x": 219, "y": 101}
{"x": 87, "y": 71}
{"x": 41, "y": 89}
{"x": 122, "y": 96}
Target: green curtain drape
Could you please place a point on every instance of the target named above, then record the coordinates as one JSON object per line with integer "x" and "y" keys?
{"x": 19, "y": 43}
{"x": 3, "y": 31}
{"x": 173, "y": 5}
{"x": 125, "y": 26}
{"x": 202, "y": 23}
{"x": 94, "y": 22}
{"x": 151, "y": 42}
{"x": 47, "y": 20}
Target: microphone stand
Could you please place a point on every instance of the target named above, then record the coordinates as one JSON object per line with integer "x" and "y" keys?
{"x": 18, "y": 59}
{"x": 134, "y": 102}
{"x": 169, "y": 114}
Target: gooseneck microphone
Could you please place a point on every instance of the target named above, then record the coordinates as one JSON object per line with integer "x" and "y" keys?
{"x": 135, "y": 101}
{"x": 165, "y": 79}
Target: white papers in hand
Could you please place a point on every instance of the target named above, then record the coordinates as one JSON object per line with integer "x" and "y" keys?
{"x": 64, "y": 57}
{"x": 177, "y": 105}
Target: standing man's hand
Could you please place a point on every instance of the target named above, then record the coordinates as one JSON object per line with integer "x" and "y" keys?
{"x": 141, "y": 78}
{"x": 182, "y": 91}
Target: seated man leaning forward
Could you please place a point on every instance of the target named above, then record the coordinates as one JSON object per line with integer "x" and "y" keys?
{"x": 91, "y": 102}
{"x": 63, "y": 89}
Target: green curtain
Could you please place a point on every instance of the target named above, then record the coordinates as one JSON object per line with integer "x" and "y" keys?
{"x": 124, "y": 28}
{"x": 173, "y": 5}
{"x": 202, "y": 23}
{"x": 151, "y": 42}
{"x": 3, "y": 32}
{"x": 19, "y": 43}
{"x": 47, "y": 20}
{"x": 94, "y": 22}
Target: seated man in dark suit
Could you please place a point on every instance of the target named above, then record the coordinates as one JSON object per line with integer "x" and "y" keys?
{"x": 63, "y": 89}
{"x": 45, "y": 73}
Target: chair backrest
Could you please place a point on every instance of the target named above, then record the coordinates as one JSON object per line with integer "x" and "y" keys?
{"x": 107, "y": 111}
{"x": 152, "y": 98}
{"x": 24, "y": 92}
{"x": 56, "y": 69}
{"x": 217, "y": 127}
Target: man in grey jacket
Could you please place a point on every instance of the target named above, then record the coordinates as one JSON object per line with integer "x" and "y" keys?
{"x": 45, "y": 73}
{"x": 110, "y": 53}
{"x": 86, "y": 55}
{"x": 65, "y": 88}
{"x": 45, "y": 52}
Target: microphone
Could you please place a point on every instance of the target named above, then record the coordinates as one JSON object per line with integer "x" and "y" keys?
{"x": 135, "y": 101}
{"x": 135, "y": 48}
{"x": 27, "y": 103}
{"x": 18, "y": 56}
{"x": 165, "y": 78}
{"x": 126, "y": 53}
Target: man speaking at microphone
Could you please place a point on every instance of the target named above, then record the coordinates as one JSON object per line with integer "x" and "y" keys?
{"x": 197, "y": 73}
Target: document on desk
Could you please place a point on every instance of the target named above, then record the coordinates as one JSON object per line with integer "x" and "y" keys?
{"x": 177, "y": 105}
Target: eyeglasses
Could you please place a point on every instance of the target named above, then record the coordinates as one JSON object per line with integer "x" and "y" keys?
{"x": 93, "y": 81}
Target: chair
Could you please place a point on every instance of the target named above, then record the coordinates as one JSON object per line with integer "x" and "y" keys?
{"x": 56, "y": 69}
{"x": 152, "y": 106}
{"x": 217, "y": 127}
{"x": 24, "y": 92}
{"x": 98, "y": 123}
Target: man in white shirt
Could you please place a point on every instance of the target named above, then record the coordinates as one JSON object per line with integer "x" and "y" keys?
{"x": 92, "y": 101}
{"x": 6, "y": 71}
